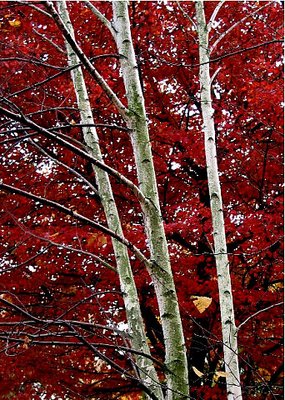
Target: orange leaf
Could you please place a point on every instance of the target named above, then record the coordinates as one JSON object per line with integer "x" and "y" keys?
{"x": 197, "y": 372}
{"x": 201, "y": 303}
{"x": 15, "y": 23}
{"x": 26, "y": 343}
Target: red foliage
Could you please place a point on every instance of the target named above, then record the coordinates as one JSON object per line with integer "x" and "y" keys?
{"x": 47, "y": 265}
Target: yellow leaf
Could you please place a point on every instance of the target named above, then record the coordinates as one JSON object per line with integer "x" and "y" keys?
{"x": 99, "y": 365}
{"x": 217, "y": 376}
{"x": 275, "y": 287}
{"x": 7, "y": 296}
{"x": 54, "y": 235}
{"x": 96, "y": 238}
{"x": 26, "y": 343}
{"x": 197, "y": 372}
{"x": 15, "y": 23}
{"x": 263, "y": 375}
{"x": 71, "y": 290}
{"x": 221, "y": 374}
{"x": 201, "y": 302}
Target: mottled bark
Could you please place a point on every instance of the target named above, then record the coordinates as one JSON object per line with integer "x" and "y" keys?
{"x": 161, "y": 272}
{"x": 229, "y": 330}
{"x": 146, "y": 368}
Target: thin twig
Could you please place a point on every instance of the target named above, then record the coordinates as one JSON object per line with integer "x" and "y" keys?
{"x": 186, "y": 15}
{"x": 56, "y": 244}
{"x": 215, "y": 12}
{"x": 221, "y": 37}
{"x": 257, "y": 313}
{"x": 56, "y": 137}
{"x": 49, "y": 41}
{"x": 79, "y": 217}
{"x": 62, "y": 164}
{"x": 101, "y": 17}
{"x": 124, "y": 112}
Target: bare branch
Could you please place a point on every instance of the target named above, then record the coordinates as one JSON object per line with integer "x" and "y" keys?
{"x": 62, "y": 164}
{"x": 259, "y": 312}
{"x": 63, "y": 71}
{"x": 186, "y": 15}
{"x": 215, "y": 75}
{"x": 226, "y": 55}
{"x": 109, "y": 361}
{"x": 100, "y": 16}
{"x": 32, "y": 61}
{"x": 35, "y": 85}
{"x": 3, "y": 271}
{"x": 63, "y": 343}
{"x": 213, "y": 16}
{"x": 86, "y": 62}
{"x": 244, "y": 50}
{"x": 56, "y": 137}
{"x": 221, "y": 37}
{"x": 68, "y": 126}
{"x": 49, "y": 41}
{"x": 50, "y": 322}
{"x": 79, "y": 217}
{"x": 28, "y": 3}
{"x": 56, "y": 244}
{"x": 18, "y": 138}
{"x": 70, "y": 324}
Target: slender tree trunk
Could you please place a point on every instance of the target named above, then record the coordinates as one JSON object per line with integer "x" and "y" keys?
{"x": 145, "y": 370}
{"x": 229, "y": 330}
{"x": 161, "y": 272}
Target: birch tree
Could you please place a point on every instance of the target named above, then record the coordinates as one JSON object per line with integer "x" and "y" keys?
{"x": 93, "y": 96}
{"x": 160, "y": 268}
{"x": 229, "y": 329}
{"x": 146, "y": 370}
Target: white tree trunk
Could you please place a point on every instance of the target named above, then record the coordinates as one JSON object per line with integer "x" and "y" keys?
{"x": 229, "y": 330}
{"x": 161, "y": 273}
{"x": 146, "y": 370}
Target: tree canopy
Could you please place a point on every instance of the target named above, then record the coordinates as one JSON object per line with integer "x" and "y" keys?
{"x": 63, "y": 324}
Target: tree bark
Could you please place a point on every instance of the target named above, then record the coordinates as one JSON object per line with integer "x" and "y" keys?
{"x": 145, "y": 370}
{"x": 161, "y": 273}
{"x": 229, "y": 330}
